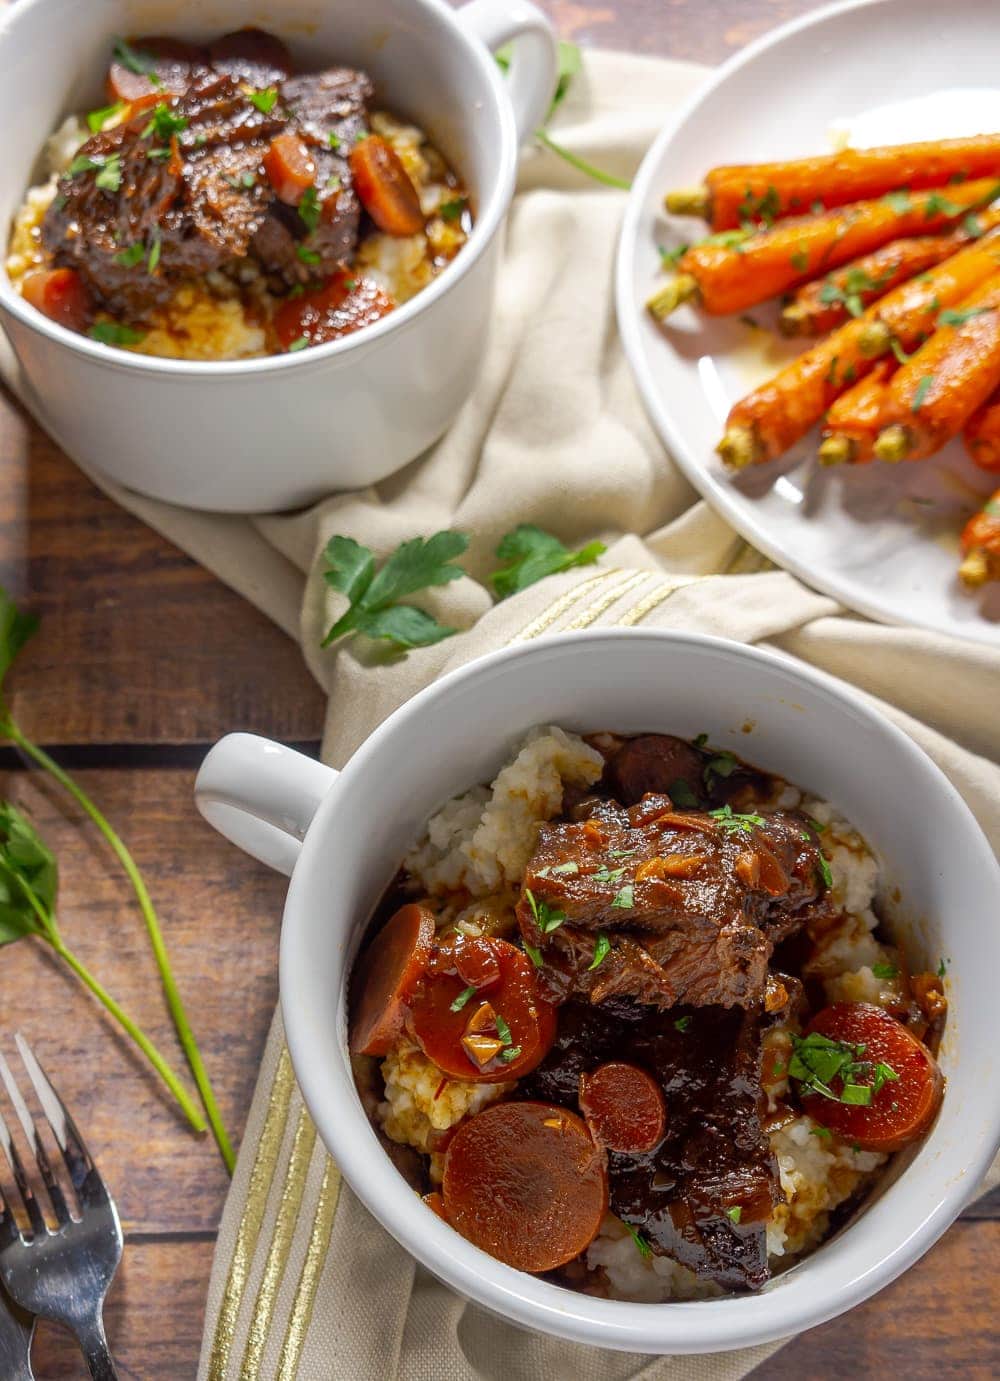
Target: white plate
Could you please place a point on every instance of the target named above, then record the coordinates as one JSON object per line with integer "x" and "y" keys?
{"x": 881, "y": 539}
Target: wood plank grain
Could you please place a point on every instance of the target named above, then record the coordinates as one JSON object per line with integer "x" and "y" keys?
{"x": 220, "y": 914}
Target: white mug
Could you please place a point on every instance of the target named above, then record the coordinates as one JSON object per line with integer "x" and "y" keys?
{"x": 277, "y": 433}
{"x": 342, "y": 835}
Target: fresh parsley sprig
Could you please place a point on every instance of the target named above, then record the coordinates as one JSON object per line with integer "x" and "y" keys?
{"x": 16, "y": 629}
{"x": 530, "y": 553}
{"x": 374, "y": 596}
{"x": 818, "y": 1061}
{"x": 29, "y": 881}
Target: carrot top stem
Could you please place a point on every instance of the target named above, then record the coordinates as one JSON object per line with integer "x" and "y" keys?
{"x": 688, "y": 201}
{"x": 975, "y": 569}
{"x": 836, "y": 450}
{"x": 681, "y": 288}
{"x": 739, "y": 448}
{"x": 893, "y": 444}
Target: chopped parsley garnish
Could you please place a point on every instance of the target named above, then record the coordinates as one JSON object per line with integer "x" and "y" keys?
{"x": 265, "y": 100}
{"x": 565, "y": 869}
{"x": 511, "y": 1053}
{"x": 606, "y": 874}
{"x": 111, "y": 333}
{"x": 799, "y": 260}
{"x": 721, "y": 764}
{"x": 154, "y": 250}
{"x": 463, "y": 997}
{"x": 899, "y": 202}
{"x": 728, "y": 239}
{"x": 602, "y": 948}
{"x": 299, "y": 343}
{"x": 817, "y": 208}
{"x": 670, "y": 258}
{"x": 885, "y": 970}
{"x": 682, "y": 1024}
{"x": 700, "y": 740}
{"x": 942, "y": 969}
{"x": 817, "y": 1061}
{"x": 642, "y": 1246}
{"x": 503, "y": 1030}
{"x": 97, "y": 119}
{"x": 921, "y": 392}
{"x": 830, "y": 377}
{"x": 623, "y": 853}
{"x": 452, "y": 210}
{"x": 682, "y": 795}
{"x": 333, "y": 140}
{"x": 938, "y": 205}
{"x": 547, "y": 918}
{"x": 950, "y": 317}
{"x": 624, "y": 898}
{"x": 823, "y": 1133}
{"x": 734, "y": 1214}
{"x": 307, "y": 255}
{"x": 247, "y": 179}
{"x": 82, "y": 163}
{"x": 535, "y": 955}
{"x": 163, "y": 153}
{"x": 732, "y": 822}
{"x": 529, "y": 553}
{"x": 164, "y": 123}
{"x": 823, "y": 865}
{"x": 973, "y": 226}
{"x": 309, "y": 209}
{"x": 855, "y": 282}
{"x": 764, "y": 208}
{"x": 143, "y": 64}
{"x": 898, "y": 350}
{"x": 128, "y": 258}
{"x": 332, "y": 183}
{"x": 109, "y": 176}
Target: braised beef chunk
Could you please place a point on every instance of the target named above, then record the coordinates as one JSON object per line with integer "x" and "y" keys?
{"x": 664, "y": 905}
{"x": 654, "y": 763}
{"x": 179, "y": 190}
{"x": 703, "y": 1195}
{"x": 251, "y": 56}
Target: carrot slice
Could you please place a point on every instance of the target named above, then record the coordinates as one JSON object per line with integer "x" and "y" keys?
{"x": 853, "y": 421}
{"x": 934, "y": 394}
{"x": 723, "y": 278}
{"x": 60, "y": 294}
{"x": 981, "y": 545}
{"x": 736, "y": 193}
{"x": 290, "y": 169}
{"x": 341, "y": 306}
{"x": 435, "y": 1203}
{"x": 384, "y": 186}
{"x": 623, "y": 1106}
{"x": 982, "y": 436}
{"x": 827, "y": 302}
{"x": 526, "y": 1183}
{"x": 768, "y": 421}
{"x": 390, "y": 969}
{"x": 905, "y": 1105}
{"x": 449, "y": 1024}
{"x": 154, "y": 65}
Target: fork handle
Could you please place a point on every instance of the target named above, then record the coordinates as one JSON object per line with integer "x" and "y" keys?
{"x": 94, "y": 1343}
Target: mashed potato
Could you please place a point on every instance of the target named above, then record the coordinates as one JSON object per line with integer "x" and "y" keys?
{"x": 477, "y": 847}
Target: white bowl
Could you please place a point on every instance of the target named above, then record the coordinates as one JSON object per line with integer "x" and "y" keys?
{"x": 275, "y": 433}
{"x": 356, "y": 825}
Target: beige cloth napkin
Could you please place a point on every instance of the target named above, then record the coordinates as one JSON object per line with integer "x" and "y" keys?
{"x": 305, "y": 1284}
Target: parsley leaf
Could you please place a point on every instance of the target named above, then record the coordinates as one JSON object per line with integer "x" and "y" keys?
{"x": 531, "y": 554}
{"x": 950, "y": 317}
{"x": 503, "y": 1030}
{"x": 535, "y": 955}
{"x": 682, "y": 795}
{"x": 128, "y": 258}
{"x": 602, "y": 948}
{"x": 824, "y": 869}
{"x": 109, "y": 176}
{"x": 111, "y": 333}
{"x": 921, "y": 392}
{"x": 682, "y": 1024}
{"x": 624, "y": 899}
{"x": 265, "y": 100}
{"x": 938, "y": 205}
{"x": 670, "y": 258}
{"x": 452, "y": 210}
{"x": 164, "y": 123}
{"x": 97, "y": 119}
{"x": 142, "y": 63}
{"x": 732, "y": 822}
{"x": 734, "y": 1214}
{"x": 641, "y": 1244}
{"x": 309, "y": 209}
{"x": 511, "y": 1053}
{"x": 818, "y": 1061}
{"x": 374, "y": 596}
{"x": 299, "y": 343}
{"x": 308, "y": 256}
{"x": 885, "y": 970}
{"x": 899, "y": 202}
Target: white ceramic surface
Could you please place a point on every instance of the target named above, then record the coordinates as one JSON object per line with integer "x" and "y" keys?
{"x": 356, "y": 825}
{"x": 276, "y": 433}
{"x": 882, "y": 539}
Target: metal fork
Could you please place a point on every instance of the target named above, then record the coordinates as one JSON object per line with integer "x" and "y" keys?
{"x": 16, "y": 1332}
{"x": 62, "y": 1275}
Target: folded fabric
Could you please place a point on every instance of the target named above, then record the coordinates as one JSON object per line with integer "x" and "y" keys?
{"x": 305, "y": 1283}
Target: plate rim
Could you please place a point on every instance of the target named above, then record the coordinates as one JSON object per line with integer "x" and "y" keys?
{"x": 630, "y": 320}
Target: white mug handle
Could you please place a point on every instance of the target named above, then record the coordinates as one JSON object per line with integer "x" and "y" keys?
{"x": 534, "y": 64}
{"x": 262, "y": 796}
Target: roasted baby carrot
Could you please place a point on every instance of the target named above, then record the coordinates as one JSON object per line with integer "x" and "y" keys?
{"x": 853, "y": 421}
{"x": 981, "y": 545}
{"x": 727, "y": 277}
{"x": 933, "y": 395}
{"x": 826, "y": 303}
{"x": 733, "y": 195}
{"x": 982, "y": 435}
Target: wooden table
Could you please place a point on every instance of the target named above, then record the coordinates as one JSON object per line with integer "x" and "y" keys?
{"x": 143, "y": 660}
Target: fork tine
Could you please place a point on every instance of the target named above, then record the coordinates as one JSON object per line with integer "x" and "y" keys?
{"x": 52, "y": 1185}
{"x": 17, "y": 1168}
{"x": 83, "y": 1172}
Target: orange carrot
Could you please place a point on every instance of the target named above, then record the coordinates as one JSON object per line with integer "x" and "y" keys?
{"x": 981, "y": 545}
{"x": 780, "y": 412}
{"x": 933, "y": 395}
{"x": 982, "y": 435}
{"x": 724, "y": 276}
{"x": 853, "y": 422}
{"x": 745, "y": 192}
{"x": 827, "y": 302}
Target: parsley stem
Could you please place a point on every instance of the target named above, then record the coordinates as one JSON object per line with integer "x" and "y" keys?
{"x": 581, "y": 164}
{"x": 174, "y": 1001}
